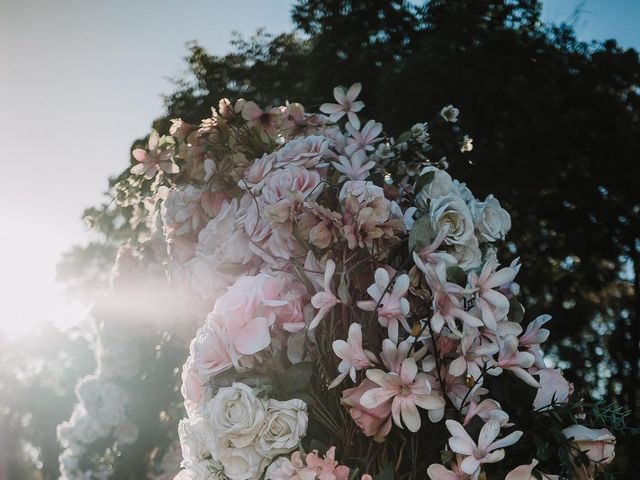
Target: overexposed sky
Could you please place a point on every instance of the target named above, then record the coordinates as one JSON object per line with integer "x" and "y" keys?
{"x": 80, "y": 79}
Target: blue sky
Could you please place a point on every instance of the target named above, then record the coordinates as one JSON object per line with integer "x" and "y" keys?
{"x": 80, "y": 79}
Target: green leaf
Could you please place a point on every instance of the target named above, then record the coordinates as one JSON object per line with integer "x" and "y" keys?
{"x": 297, "y": 377}
{"x": 424, "y": 180}
{"x": 419, "y": 236}
{"x": 343, "y": 290}
{"x": 516, "y": 312}
{"x": 387, "y": 474}
{"x": 457, "y": 275}
{"x": 404, "y": 137}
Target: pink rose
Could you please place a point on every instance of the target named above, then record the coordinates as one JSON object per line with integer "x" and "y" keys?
{"x": 374, "y": 422}
{"x": 598, "y": 444}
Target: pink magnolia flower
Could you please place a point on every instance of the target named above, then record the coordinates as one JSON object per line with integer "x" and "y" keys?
{"x": 324, "y": 301}
{"x": 440, "y": 472}
{"x": 408, "y": 390}
{"x": 475, "y": 352}
{"x": 486, "y": 410}
{"x": 353, "y": 356}
{"x": 510, "y": 358}
{"x": 553, "y": 387}
{"x": 154, "y": 160}
{"x": 347, "y": 104}
{"x": 493, "y": 305}
{"x": 533, "y": 336}
{"x": 392, "y": 307}
{"x": 374, "y": 422}
{"x": 354, "y": 167}
{"x": 525, "y": 472}
{"x": 256, "y": 117}
{"x": 487, "y": 450}
{"x": 326, "y": 468}
{"x": 447, "y": 304}
{"x": 363, "y": 139}
{"x": 430, "y": 253}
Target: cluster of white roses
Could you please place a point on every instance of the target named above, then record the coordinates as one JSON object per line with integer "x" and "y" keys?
{"x": 237, "y": 434}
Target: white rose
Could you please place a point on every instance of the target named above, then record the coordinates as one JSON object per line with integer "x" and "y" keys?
{"x": 463, "y": 191}
{"x": 242, "y": 463}
{"x": 468, "y": 255}
{"x": 181, "y": 210}
{"x": 280, "y": 468}
{"x": 492, "y": 222}
{"x": 440, "y": 186}
{"x": 284, "y": 424}
{"x": 236, "y": 414}
{"x": 305, "y": 152}
{"x": 451, "y": 213}
{"x": 197, "y": 439}
{"x": 218, "y": 229}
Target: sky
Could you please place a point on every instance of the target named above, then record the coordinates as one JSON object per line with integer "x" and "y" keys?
{"x": 81, "y": 79}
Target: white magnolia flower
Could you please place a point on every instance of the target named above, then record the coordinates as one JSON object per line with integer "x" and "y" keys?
{"x": 451, "y": 213}
{"x": 284, "y": 424}
{"x": 491, "y": 220}
{"x": 236, "y": 414}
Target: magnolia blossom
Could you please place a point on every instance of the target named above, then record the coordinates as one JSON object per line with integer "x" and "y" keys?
{"x": 390, "y": 304}
{"x": 430, "y": 253}
{"x": 265, "y": 120}
{"x": 447, "y": 300}
{"x": 515, "y": 361}
{"x": 493, "y": 305}
{"x": 363, "y": 139}
{"x": 440, "y": 472}
{"x": 324, "y": 301}
{"x": 307, "y": 152}
{"x": 354, "y": 167}
{"x": 487, "y": 450}
{"x": 353, "y": 356}
{"x": 535, "y": 335}
{"x": 347, "y": 104}
{"x": 525, "y": 472}
{"x": 154, "y": 160}
{"x": 553, "y": 389}
{"x": 408, "y": 390}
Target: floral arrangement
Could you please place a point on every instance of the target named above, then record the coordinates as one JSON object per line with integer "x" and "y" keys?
{"x": 361, "y": 323}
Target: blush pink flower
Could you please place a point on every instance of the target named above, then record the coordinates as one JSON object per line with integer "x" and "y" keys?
{"x": 510, "y": 358}
{"x": 324, "y": 301}
{"x": 535, "y": 335}
{"x": 364, "y": 139}
{"x": 493, "y": 305}
{"x": 487, "y": 450}
{"x": 440, "y": 472}
{"x": 392, "y": 306}
{"x": 374, "y": 422}
{"x": 430, "y": 253}
{"x": 355, "y": 167}
{"x": 347, "y": 104}
{"x": 326, "y": 468}
{"x": 256, "y": 117}
{"x": 154, "y": 160}
{"x": 447, "y": 303}
{"x": 408, "y": 390}
{"x": 353, "y": 356}
{"x": 525, "y": 472}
